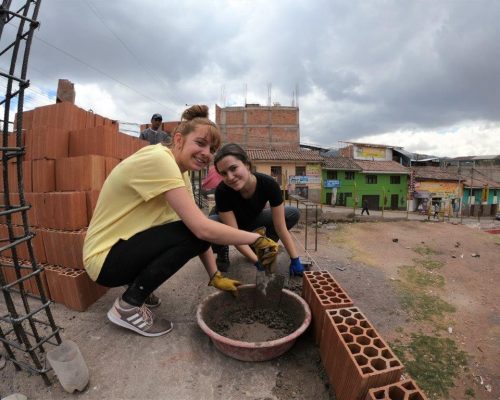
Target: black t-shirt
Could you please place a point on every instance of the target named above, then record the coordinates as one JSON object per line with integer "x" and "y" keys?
{"x": 246, "y": 210}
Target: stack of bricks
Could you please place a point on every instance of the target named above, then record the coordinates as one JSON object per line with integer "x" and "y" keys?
{"x": 69, "y": 154}
{"x": 358, "y": 362}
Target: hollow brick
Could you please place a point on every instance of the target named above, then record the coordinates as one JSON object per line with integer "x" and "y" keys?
{"x": 402, "y": 390}
{"x": 322, "y": 292}
{"x": 62, "y": 210}
{"x": 80, "y": 173}
{"x": 355, "y": 357}
{"x": 64, "y": 248}
{"x": 100, "y": 140}
{"x": 43, "y": 176}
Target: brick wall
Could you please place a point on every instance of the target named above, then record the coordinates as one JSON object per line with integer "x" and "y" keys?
{"x": 69, "y": 154}
{"x": 260, "y": 127}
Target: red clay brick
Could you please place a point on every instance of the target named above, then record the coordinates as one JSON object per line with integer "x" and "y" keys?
{"x": 322, "y": 292}
{"x": 100, "y": 140}
{"x": 43, "y": 176}
{"x": 91, "y": 197}
{"x": 62, "y": 210}
{"x": 79, "y": 291}
{"x": 13, "y": 177}
{"x": 64, "y": 248}
{"x": 22, "y": 248}
{"x": 402, "y": 390}
{"x": 111, "y": 163}
{"x": 80, "y": 173}
{"x": 54, "y": 282}
{"x": 354, "y": 355}
{"x": 47, "y": 142}
{"x": 63, "y": 115}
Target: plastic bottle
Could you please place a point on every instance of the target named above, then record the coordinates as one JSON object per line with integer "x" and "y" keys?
{"x": 69, "y": 366}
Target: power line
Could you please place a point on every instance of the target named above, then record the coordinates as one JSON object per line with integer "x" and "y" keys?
{"x": 93, "y": 8}
{"x": 99, "y": 71}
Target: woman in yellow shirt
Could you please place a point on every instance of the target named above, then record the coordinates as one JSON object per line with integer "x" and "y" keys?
{"x": 146, "y": 224}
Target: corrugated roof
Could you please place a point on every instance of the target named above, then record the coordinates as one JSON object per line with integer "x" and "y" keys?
{"x": 480, "y": 182}
{"x": 341, "y": 163}
{"x": 381, "y": 166}
{"x": 283, "y": 155}
{"x": 435, "y": 173}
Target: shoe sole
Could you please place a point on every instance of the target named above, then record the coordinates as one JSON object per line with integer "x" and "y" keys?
{"x": 126, "y": 325}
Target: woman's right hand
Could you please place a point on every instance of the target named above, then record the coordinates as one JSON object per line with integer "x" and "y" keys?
{"x": 267, "y": 253}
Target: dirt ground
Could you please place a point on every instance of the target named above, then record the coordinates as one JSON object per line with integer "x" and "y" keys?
{"x": 366, "y": 259}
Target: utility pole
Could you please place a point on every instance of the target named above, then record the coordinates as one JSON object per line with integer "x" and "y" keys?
{"x": 458, "y": 192}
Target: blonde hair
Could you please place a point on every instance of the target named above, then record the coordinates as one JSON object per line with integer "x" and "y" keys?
{"x": 198, "y": 115}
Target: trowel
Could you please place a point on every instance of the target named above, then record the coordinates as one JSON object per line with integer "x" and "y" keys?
{"x": 270, "y": 285}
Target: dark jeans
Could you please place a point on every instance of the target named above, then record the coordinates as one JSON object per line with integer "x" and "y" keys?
{"x": 148, "y": 259}
{"x": 265, "y": 218}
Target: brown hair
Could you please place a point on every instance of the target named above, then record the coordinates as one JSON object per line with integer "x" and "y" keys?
{"x": 198, "y": 115}
{"x": 235, "y": 150}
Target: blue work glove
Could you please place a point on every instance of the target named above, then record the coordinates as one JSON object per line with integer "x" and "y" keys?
{"x": 259, "y": 266}
{"x": 296, "y": 267}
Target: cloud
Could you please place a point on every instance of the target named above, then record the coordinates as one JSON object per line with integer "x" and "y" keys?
{"x": 383, "y": 69}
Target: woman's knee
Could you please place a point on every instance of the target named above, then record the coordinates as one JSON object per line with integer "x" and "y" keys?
{"x": 292, "y": 216}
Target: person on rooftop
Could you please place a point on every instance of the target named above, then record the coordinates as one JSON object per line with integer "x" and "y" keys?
{"x": 154, "y": 134}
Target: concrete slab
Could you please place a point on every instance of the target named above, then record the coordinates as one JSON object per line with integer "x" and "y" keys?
{"x": 183, "y": 364}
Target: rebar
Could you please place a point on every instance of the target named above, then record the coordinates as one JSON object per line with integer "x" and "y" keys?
{"x": 26, "y": 321}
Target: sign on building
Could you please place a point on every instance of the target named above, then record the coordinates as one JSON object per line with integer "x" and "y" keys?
{"x": 303, "y": 180}
{"x": 331, "y": 183}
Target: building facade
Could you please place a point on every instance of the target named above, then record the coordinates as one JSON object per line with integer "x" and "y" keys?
{"x": 260, "y": 127}
{"x": 297, "y": 172}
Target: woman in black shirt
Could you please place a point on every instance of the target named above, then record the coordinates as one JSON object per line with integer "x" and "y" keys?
{"x": 241, "y": 200}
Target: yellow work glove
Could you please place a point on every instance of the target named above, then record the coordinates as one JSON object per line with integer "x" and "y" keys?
{"x": 222, "y": 283}
{"x": 267, "y": 252}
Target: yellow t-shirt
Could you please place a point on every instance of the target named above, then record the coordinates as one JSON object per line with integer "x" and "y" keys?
{"x": 131, "y": 201}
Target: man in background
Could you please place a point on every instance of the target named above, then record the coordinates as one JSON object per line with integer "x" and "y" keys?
{"x": 154, "y": 134}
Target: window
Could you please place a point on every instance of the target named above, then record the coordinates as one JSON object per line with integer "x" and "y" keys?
{"x": 300, "y": 171}
{"x": 331, "y": 174}
{"x": 276, "y": 174}
{"x": 395, "y": 179}
{"x": 349, "y": 175}
{"x": 371, "y": 179}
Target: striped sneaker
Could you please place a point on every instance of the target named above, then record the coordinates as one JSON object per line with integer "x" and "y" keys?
{"x": 138, "y": 319}
{"x": 152, "y": 301}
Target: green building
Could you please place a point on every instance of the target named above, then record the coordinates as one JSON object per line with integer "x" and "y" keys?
{"x": 383, "y": 184}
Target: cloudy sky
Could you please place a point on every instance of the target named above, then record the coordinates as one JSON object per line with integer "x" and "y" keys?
{"x": 424, "y": 75}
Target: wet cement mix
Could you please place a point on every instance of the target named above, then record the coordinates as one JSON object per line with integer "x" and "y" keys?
{"x": 255, "y": 324}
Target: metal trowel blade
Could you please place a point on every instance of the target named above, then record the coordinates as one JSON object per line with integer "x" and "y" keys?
{"x": 270, "y": 286}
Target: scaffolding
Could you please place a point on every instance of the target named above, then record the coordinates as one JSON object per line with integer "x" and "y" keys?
{"x": 27, "y": 326}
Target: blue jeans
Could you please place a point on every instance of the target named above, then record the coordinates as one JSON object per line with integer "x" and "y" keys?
{"x": 265, "y": 218}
